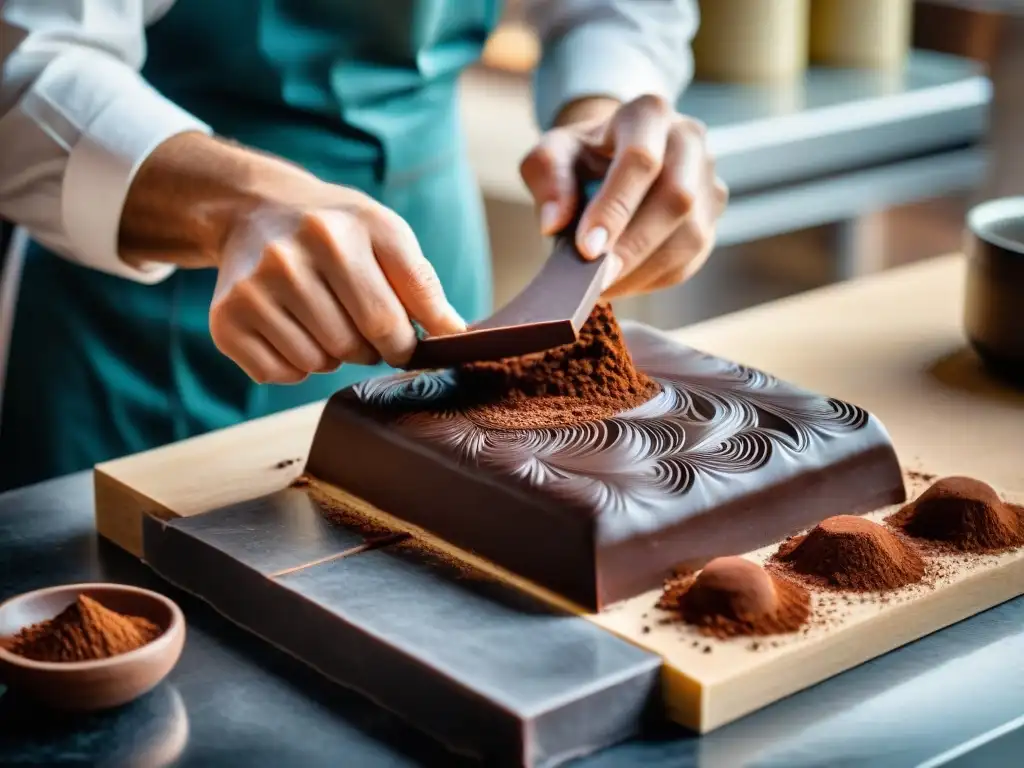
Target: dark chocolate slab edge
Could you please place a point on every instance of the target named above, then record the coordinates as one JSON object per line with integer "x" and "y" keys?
{"x": 450, "y": 497}
{"x": 449, "y": 709}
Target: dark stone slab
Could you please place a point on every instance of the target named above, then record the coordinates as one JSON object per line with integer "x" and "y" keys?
{"x": 724, "y": 460}
{"x": 486, "y": 669}
{"x": 272, "y": 534}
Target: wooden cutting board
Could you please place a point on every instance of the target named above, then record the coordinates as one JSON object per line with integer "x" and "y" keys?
{"x": 889, "y": 343}
{"x": 707, "y": 682}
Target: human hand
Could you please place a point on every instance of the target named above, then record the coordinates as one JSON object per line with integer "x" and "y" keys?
{"x": 656, "y": 210}
{"x": 331, "y": 278}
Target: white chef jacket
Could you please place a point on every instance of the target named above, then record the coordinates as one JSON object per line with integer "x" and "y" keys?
{"x": 77, "y": 120}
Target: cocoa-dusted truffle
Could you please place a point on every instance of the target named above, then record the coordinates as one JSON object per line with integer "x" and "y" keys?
{"x": 734, "y": 596}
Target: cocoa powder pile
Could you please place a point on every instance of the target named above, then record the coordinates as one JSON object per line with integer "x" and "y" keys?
{"x": 732, "y": 596}
{"x": 963, "y": 514}
{"x": 853, "y": 554}
{"x": 591, "y": 379}
{"x": 84, "y": 631}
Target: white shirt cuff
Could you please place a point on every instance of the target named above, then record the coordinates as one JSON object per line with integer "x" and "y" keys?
{"x": 596, "y": 59}
{"x": 109, "y": 128}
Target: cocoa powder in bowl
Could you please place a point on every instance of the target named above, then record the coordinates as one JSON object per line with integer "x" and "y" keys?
{"x": 733, "y": 596}
{"x": 84, "y": 631}
{"x": 591, "y": 379}
{"x": 964, "y": 514}
{"x": 851, "y": 553}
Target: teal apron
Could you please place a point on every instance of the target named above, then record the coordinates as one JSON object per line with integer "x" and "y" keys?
{"x": 361, "y": 94}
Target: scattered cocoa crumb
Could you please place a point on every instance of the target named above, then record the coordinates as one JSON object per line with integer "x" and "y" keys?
{"x": 707, "y": 649}
{"x": 672, "y": 591}
{"x": 285, "y": 463}
{"x": 343, "y": 516}
{"x": 444, "y": 559}
{"x": 645, "y": 630}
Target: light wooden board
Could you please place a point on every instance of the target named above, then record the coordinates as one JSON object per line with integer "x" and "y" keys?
{"x": 710, "y": 682}
{"x": 890, "y": 343}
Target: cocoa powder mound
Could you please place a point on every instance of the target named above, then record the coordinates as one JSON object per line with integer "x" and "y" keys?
{"x": 732, "y": 596}
{"x": 84, "y": 631}
{"x": 963, "y": 514}
{"x": 594, "y": 378}
{"x": 851, "y": 553}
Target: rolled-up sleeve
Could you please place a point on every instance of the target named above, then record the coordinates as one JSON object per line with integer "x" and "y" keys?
{"x": 620, "y": 49}
{"x": 76, "y": 122}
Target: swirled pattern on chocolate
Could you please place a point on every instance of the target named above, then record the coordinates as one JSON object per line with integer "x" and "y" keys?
{"x": 711, "y": 421}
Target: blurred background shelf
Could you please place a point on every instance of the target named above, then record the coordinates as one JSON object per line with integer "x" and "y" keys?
{"x": 836, "y": 173}
{"x": 833, "y": 173}
{"x": 835, "y": 149}
{"x": 830, "y": 121}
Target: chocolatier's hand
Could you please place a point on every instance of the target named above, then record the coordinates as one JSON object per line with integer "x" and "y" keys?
{"x": 304, "y": 287}
{"x": 311, "y": 275}
{"x": 656, "y": 210}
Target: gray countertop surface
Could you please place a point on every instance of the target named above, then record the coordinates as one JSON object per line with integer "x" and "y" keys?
{"x": 953, "y": 698}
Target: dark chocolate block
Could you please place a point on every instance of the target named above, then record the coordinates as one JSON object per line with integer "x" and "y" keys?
{"x": 484, "y": 668}
{"x": 724, "y": 460}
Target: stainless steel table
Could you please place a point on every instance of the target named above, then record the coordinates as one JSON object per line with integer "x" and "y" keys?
{"x": 953, "y": 698}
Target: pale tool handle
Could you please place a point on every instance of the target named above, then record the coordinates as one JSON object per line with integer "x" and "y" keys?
{"x": 751, "y": 40}
{"x": 861, "y": 33}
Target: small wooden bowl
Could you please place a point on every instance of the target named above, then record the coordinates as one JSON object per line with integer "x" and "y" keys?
{"x": 85, "y": 686}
